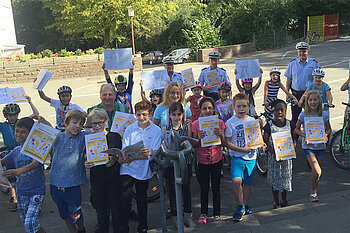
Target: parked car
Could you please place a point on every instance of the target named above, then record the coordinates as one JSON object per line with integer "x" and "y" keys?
{"x": 152, "y": 57}
{"x": 180, "y": 55}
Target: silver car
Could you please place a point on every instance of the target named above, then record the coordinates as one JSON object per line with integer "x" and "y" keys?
{"x": 180, "y": 55}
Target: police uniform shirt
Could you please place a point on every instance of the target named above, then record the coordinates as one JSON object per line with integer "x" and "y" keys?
{"x": 301, "y": 75}
{"x": 222, "y": 76}
{"x": 176, "y": 77}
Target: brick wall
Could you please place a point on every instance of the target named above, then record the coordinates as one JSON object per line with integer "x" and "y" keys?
{"x": 227, "y": 51}
{"x": 61, "y": 67}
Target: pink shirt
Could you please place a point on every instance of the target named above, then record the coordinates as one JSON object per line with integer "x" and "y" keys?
{"x": 194, "y": 106}
{"x": 210, "y": 154}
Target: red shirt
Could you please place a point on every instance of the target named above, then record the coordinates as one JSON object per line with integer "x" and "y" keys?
{"x": 194, "y": 106}
{"x": 210, "y": 154}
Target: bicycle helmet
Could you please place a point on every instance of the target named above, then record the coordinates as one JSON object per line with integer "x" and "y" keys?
{"x": 224, "y": 86}
{"x": 120, "y": 79}
{"x": 302, "y": 45}
{"x": 247, "y": 80}
{"x": 275, "y": 70}
{"x": 319, "y": 71}
{"x": 11, "y": 109}
{"x": 64, "y": 89}
{"x": 155, "y": 92}
{"x": 198, "y": 84}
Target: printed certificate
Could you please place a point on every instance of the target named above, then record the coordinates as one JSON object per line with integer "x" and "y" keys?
{"x": 42, "y": 79}
{"x": 3, "y": 180}
{"x": 156, "y": 79}
{"x": 12, "y": 95}
{"x": 207, "y": 124}
{"x": 96, "y": 143}
{"x": 118, "y": 59}
{"x": 315, "y": 131}
{"x": 188, "y": 78}
{"x": 283, "y": 145}
{"x": 248, "y": 69}
{"x": 39, "y": 141}
{"x": 253, "y": 134}
{"x": 121, "y": 121}
{"x": 212, "y": 77}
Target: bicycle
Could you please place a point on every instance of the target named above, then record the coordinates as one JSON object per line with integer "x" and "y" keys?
{"x": 340, "y": 144}
{"x": 312, "y": 37}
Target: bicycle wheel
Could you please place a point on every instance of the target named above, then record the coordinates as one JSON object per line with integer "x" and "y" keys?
{"x": 340, "y": 155}
{"x": 316, "y": 39}
{"x": 153, "y": 193}
{"x": 261, "y": 162}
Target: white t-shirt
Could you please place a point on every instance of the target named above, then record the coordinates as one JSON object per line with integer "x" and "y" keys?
{"x": 235, "y": 130}
{"x": 61, "y": 111}
{"x": 349, "y": 93}
{"x": 151, "y": 137}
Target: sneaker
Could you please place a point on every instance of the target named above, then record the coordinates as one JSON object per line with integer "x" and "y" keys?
{"x": 314, "y": 197}
{"x": 13, "y": 204}
{"x": 217, "y": 218}
{"x": 247, "y": 210}
{"x": 202, "y": 219}
{"x": 275, "y": 205}
{"x": 237, "y": 216}
{"x": 284, "y": 203}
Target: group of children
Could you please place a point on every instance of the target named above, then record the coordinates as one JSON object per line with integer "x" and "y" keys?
{"x": 111, "y": 184}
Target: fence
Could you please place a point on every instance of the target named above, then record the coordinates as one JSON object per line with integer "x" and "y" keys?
{"x": 325, "y": 27}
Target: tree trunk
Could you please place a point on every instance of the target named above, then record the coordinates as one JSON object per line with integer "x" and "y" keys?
{"x": 107, "y": 38}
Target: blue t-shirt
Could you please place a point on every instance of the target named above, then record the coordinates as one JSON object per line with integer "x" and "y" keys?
{"x": 8, "y": 134}
{"x": 301, "y": 117}
{"x": 161, "y": 113}
{"x": 68, "y": 169}
{"x": 29, "y": 183}
{"x": 322, "y": 90}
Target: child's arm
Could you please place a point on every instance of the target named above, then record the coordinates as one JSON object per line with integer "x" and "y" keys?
{"x": 330, "y": 98}
{"x": 44, "y": 97}
{"x": 189, "y": 127}
{"x": 238, "y": 85}
{"x": 328, "y": 128}
{"x": 40, "y": 119}
{"x": 220, "y": 133}
{"x": 266, "y": 91}
{"x": 290, "y": 95}
{"x": 257, "y": 85}
{"x": 16, "y": 172}
{"x": 108, "y": 78}
{"x": 345, "y": 85}
{"x": 3, "y": 162}
{"x": 143, "y": 94}
{"x": 34, "y": 109}
{"x": 301, "y": 101}
{"x": 130, "y": 81}
{"x": 230, "y": 145}
{"x": 298, "y": 129}
{"x": 266, "y": 137}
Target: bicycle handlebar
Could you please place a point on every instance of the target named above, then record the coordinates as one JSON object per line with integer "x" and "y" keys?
{"x": 347, "y": 104}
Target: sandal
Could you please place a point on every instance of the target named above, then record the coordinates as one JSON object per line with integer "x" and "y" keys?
{"x": 314, "y": 197}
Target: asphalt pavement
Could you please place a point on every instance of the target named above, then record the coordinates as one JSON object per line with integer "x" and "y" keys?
{"x": 330, "y": 214}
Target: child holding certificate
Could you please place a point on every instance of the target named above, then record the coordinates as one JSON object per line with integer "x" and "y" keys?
{"x": 243, "y": 157}
{"x": 209, "y": 162}
{"x": 104, "y": 179}
{"x": 314, "y": 151}
{"x": 280, "y": 172}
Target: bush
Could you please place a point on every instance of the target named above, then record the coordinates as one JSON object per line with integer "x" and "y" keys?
{"x": 90, "y": 52}
{"x": 78, "y": 52}
{"x": 33, "y": 56}
{"x": 24, "y": 57}
{"x": 65, "y": 53}
{"x": 99, "y": 50}
{"x": 46, "y": 53}
{"x": 39, "y": 56}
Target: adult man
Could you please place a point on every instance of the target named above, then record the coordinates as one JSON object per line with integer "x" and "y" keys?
{"x": 299, "y": 74}
{"x": 169, "y": 66}
{"x": 107, "y": 96}
{"x": 210, "y": 89}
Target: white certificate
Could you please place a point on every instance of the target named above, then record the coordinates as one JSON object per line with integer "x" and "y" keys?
{"x": 156, "y": 79}
{"x": 283, "y": 145}
{"x": 12, "y": 95}
{"x": 41, "y": 79}
{"x": 248, "y": 69}
{"x": 96, "y": 143}
{"x": 208, "y": 124}
{"x": 118, "y": 59}
{"x": 188, "y": 78}
{"x": 315, "y": 130}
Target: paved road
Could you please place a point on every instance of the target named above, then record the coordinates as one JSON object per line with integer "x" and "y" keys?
{"x": 331, "y": 55}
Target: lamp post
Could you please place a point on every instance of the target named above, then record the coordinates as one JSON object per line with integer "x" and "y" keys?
{"x": 131, "y": 14}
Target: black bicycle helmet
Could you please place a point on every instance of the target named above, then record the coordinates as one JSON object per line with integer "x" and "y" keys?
{"x": 11, "y": 109}
{"x": 224, "y": 86}
{"x": 155, "y": 92}
{"x": 64, "y": 89}
{"x": 120, "y": 79}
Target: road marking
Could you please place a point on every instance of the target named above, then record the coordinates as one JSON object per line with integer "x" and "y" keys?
{"x": 336, "y": 118}
{"x": 334, "y": 63}
{"x": 85, "y": 95}
{"x": 285, "y": 54}
{"x": 341, "y": 79}
{"x": 79, "y": 88}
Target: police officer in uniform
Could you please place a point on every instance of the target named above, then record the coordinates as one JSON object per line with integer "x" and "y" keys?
{"x": 212, "y": 90}
{"x": 169, "y": 66}
{"x": 299, "y": 75}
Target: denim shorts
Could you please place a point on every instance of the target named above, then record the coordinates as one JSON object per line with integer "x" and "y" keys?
{"x": 243, "y": 168}
{"x": 68, "y": 201}
{"x": 320, "y": 154}
{"x": 28, "y": 210}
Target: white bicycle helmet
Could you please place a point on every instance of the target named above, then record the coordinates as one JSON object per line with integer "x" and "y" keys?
{"x": 275, "y": 70}
{"x": 318, "y": 71}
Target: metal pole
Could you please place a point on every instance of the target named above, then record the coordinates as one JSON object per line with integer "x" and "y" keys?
{"x": 162, "y": 203}
{"x": 132, "y": 36}
{"x": 178, "y": 192}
